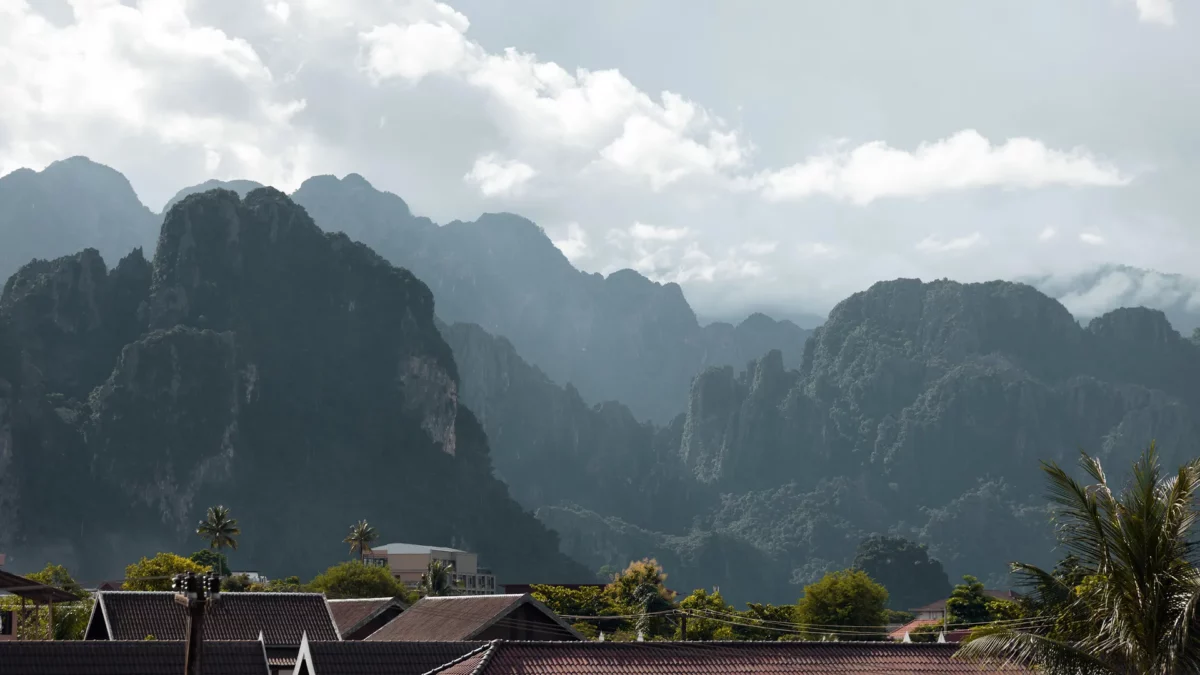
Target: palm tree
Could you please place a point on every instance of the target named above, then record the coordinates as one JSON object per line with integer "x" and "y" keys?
{"x": 438, "y": 579}
{"x": 219, "y": 529}
{"x": 1134, "y": 610}
{"x": 361, "y": 536}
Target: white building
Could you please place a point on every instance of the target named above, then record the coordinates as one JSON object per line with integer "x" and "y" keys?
{"x": 407, "y": 562}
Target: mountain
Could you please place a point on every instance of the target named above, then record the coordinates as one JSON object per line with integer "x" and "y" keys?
{"x": 70, "y": 205}
{"x": 241, "y": 187}
{"x": 620, "y": 337}
{"x": 920, "y": 410}
{"x": 257, "y": 362}
{"x": 1094, "y": 292}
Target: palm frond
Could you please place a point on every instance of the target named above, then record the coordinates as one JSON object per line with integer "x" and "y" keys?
{"x": 1006, "y": 648}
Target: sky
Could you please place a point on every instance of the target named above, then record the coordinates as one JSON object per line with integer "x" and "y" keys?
{"x": 765, "y": 154}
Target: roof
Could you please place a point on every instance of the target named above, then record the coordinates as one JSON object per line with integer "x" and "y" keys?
{"x": 911, "y": 626}
{"x": 77, "y": 657}
{"x": 940, "y": 605}
{"x": 282, "y": 618}
{"x": 464, "y": 617}
{"x": 33, "y": 590}
{"x": 403, "y": 549}
{"x": 350, "y": 614}
{"x": 715, "y": 658}
{"x": 373, "y": 658}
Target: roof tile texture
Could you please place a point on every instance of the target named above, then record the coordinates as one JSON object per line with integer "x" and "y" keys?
{"x": 127, "y": 658}
{"x": 446, "y": 619}
{"x": 392, "y": 658}
{"x": 349, "y": 614}
{"x": 281, "y": 617}
{"x": 715, "y": 658}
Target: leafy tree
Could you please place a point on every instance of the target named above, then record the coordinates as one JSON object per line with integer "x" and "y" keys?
{"x": 219, "y": 529}
{"x": 238, "y": 583}
{"x": 641, "y": 589}
{"x": 586, "y": 601}
{"x": 361, "y": 536}
{"x": 353, "y": 579}
{"x": 897, "y": 616}
{"x": 707, "y": 614}
{"x": 286, "y": 585}
{"x": 765, "y": 622}
{"x": 155, "y": 574}
{"x": 438, "y": 579}
{"x": 968, "y": 603}
{"x": 904, "y": 568}
{"x": 848, "y": 598}
{"x": 1135, "y": 608}
{"x": 212, "y": 560}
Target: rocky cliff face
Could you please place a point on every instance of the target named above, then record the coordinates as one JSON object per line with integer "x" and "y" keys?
{"x": 293, "y": 376}
{"x": 920, "y": 409}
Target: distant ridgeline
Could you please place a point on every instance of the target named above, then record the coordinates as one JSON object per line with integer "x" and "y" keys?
{"x": 303, "y": 381}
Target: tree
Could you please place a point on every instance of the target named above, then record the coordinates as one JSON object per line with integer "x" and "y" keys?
{"x": 286, "y": 585}
{"x": 155, "y": 574}
{"x": 1135, "y": 608}
{"x": 361, "y": 536}
{"x": 438, "y": 579}
{"x": 968, "y": 603}
{"x": 848, "y": 598}
{"x": 212, "y": 560}
{"x": 354, "y": 579}
{"x": 766, "y": 622}
{"x": 641, "y": 589}
{"x": 586, "y": 601}
{"x": 708, "y": 617}
{"x": 219, "y": 528}
{"x": 904, "y": 568}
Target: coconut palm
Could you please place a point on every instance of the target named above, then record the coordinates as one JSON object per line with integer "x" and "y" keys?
{"x": 1135, "y": 608}
{"x": 219, "y": 529}
{"x": 361, "y": 536}
{"x": 438, "y": 579}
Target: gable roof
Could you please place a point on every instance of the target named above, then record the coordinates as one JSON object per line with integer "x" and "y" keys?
{"x": 281, "y": 618}
{"x": 351, "y": 614}
{"x": 464, "y": 617}
{"x": 32, "y": 590}
{"x": 373, "y": 658}
{"x": 78, "y": 657}
{"x": 714, "y": 658}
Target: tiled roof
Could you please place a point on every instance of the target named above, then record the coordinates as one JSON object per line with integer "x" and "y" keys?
{"x": 349, "y": 614}
{"x": 715, "y": 658}
{"x": 77, "y": 657}
{"x": 392, "y": 658}
{"x": 462, "y": 617}
{"x": 282, "y": 618}
{"x": 911, "y": 626}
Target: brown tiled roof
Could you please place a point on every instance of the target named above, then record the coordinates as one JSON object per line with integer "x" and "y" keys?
{"x": 462, "y": 617}
{"x": 392, "y": 658}
{"x": 350, "y": 614}
{"x": 715, "y": 658}
{"x": 77, "y": 657}
{"x": 282, "y": 618}
{"x": 911, "y": 626}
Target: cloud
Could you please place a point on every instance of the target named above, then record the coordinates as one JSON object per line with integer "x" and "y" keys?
{"x": 758, "y": 247}
{"x": 1047, "y": 234}
{"x": 1156, "y": 11}
{"x": 644, "y": 232}
{"x": 496, "y": 176}
{"x": 935, "y": 245}
{"x": 816, "y": 249}
{"x": 1091, "y": 238}
{"x": 575, "y": 244}
{"x": 965, "y": 160}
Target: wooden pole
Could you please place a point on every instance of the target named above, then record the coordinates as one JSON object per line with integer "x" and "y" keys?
{"x": 195, "y": 636}
{"x": 50, "y": 622}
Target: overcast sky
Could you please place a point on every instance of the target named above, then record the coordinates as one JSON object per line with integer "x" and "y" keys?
{"x": 774, "y": 154}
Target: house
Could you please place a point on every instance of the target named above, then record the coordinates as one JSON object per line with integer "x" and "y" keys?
{"x": 374, "y": 658}
{"x": 476, "y": 617}
{"x": 29, "y": 591}
{"x": 937, "y": 610}
{"x": 281, "y": 619}
{"x": 407, "y": 562}
{"x": 73, "y": 657}
{"x": 501, "y": 657}
{"x": 359, "y": 617}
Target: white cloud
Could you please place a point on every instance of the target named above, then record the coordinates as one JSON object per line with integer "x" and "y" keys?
{"x": 964, "y": 160}
{"x": 644, "y": 232}
{"x": 1047, "y": 234}
{"x": 934, "y": 245}
{"x": 1156, "y": 11}
{"x": 496, "y": 176}
{"x": 1091, "y": 238}
{"x": 758, "y": 247}
{"x": 816, "y": 249}
{"x": 414, "y": 51}
{"x": 575, "y": 244}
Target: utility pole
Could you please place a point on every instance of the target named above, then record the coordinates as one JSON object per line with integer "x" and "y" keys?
{"x": 196, "y": 594}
